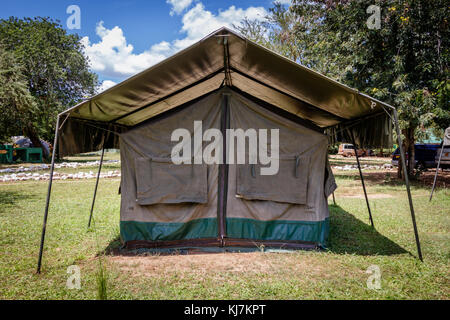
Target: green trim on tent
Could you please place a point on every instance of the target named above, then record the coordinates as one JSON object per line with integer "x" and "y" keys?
{"x": 240, "y": 228}
{"x": 152, "y": 231}
{"x": 288, "y": 230}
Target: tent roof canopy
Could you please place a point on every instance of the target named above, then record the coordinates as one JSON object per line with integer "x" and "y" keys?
{"x": 225, "y": 58}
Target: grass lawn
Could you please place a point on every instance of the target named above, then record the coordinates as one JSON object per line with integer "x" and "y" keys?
{"x": 339, "y": 273}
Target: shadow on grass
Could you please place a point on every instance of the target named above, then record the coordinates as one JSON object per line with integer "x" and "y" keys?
{"x": 350, "y": 235}
{"x": 113, "y": 248}
{"x": 11, "y": 197}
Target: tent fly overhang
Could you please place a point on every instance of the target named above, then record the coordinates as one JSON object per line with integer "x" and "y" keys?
{"x": 224, "y": 58}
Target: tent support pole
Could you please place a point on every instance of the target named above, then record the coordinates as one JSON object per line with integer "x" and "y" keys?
{"x": 405, "y": 173}
{"x": 437, "y": 170}
{"x": 96, "y": 182}
{"x": 47, "y": 202}
{"x": 223, "y": 172}
{"x": 362, "y": 179}
{"x": 334, "y": 199}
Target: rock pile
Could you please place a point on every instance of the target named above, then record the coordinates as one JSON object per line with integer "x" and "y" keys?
{"x": 44, "y": 166}
{"x": 347, "y": 167}
{"x": 22, "y": 176}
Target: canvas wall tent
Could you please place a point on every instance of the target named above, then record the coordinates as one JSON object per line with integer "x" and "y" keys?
{"x": 227, "y": 82}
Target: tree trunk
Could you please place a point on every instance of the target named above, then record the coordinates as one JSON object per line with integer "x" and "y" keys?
{"x": 400, "y": 168}
{"x": 411, "y": 151}
{"x": 31, "y": 133}
{"x": 408, "y": 147}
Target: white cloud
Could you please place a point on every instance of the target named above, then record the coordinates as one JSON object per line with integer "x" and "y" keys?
{"x": 106, "y": 85}
{"x": 198, "y": 22}
{"x": 113, "y": 57}
{"x": 178, "y": 6}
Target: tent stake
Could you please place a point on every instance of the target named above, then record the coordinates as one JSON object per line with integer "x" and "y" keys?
{"x": 405, "y": 173}
{"x": 49, "y": 191}
{"x": 362, "y": 179}
{"x": 96, "y": 182}
{"x": 437, "y": 170}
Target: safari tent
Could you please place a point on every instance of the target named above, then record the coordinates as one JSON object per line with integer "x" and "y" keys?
{"x": 225, "y": 82}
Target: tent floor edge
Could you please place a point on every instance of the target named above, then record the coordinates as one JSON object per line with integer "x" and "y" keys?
{"x": 227, "y": 242}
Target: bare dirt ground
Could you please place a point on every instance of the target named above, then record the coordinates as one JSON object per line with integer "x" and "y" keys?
{"x": 207, "y": 263}
{"x": 371, "y": 196}
{"x": 201, "y": 263}
{"x": 380, "y": 176}
{"x": 443, "y": 178}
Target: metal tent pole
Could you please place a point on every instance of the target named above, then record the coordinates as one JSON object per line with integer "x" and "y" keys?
{"x": 49, "y": 191}
{"x": 405, "y": 173}
{"x": 334, "y": 199}
{"x": 96, "y": 182}
{"x": 437, "y": 170}
{"x": 362, "y": 179}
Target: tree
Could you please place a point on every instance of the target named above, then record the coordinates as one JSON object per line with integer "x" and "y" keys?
{"x": 17, "y": 105}
{"x": 54, "y": 66}
{"x": 404, "y": 62}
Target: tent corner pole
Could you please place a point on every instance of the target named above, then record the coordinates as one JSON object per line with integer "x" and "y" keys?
{"x": 47, "y": 202}
{"x": 362, "y": 178}
{"x": 436, "y": 174}
{"x": 405, "y": 173}
{"x": 96, "y": 182}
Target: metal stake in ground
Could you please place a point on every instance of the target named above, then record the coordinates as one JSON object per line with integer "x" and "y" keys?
{"x": 405, "y": 173}
{"x": 362, "y": 179}
{"x": 49, "y": 191}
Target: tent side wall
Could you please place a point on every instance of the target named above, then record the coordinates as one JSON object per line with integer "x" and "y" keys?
{"x": 291, "y": 205}
{"x": 162, "y": 201}
{"x": 165, "y": 202}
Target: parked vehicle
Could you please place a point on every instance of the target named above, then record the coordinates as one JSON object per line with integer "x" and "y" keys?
{"x": 445, "y": 159}
{"x": 347, "y": 150}
{"x": 424, "y": 156}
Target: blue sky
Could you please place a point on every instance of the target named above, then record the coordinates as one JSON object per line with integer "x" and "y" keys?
{"x": 123, "y": 37}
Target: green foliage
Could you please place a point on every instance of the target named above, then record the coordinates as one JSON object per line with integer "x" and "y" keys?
{"x": 101, "y": 283}
{"x": 404, "y": 63}
{"x": 17, "y": 106}
{"x": 56, "y": 71}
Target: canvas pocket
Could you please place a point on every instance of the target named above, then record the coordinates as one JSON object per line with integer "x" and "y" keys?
{"x": 289, "y": 185}
{"x": 161, "y": 181}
